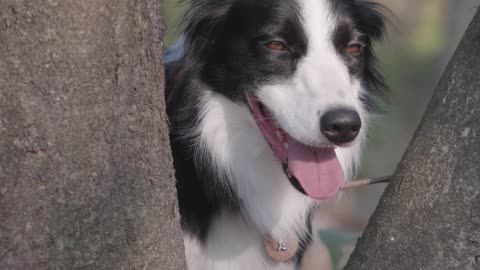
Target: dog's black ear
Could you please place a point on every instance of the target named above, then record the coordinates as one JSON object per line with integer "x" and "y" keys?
{"x": 203, "y": 22}
{"x": 372, "y": 18}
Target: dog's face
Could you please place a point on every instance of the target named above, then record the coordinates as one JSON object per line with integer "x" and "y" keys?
{"x": 305, "y": 68}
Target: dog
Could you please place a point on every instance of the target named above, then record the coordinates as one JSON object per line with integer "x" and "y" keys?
{"x": 269, "y": 103}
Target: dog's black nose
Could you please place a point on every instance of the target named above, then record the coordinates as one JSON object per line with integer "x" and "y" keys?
{"x": 340, "y": 126}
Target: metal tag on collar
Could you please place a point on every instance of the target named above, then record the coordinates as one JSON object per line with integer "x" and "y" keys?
{"x": 282, "y": 250}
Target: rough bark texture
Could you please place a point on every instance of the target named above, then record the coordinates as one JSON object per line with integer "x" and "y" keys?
{"x": 86, "y": 176}
{"x": 429, "y": 216}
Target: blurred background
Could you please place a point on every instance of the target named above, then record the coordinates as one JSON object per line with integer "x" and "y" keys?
{"x": 417, "y": 48}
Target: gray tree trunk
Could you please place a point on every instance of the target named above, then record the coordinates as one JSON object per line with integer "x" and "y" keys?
{"x": 86, "y": 177}
{"x": 429, "y": 216}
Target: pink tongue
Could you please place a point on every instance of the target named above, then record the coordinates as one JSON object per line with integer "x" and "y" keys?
{"x": 317, "y": 170}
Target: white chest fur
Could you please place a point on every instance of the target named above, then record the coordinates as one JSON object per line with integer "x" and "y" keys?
{"x": 231, "y": 245}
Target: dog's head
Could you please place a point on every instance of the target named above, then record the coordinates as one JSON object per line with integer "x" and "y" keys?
{"x": 305, "y": 68}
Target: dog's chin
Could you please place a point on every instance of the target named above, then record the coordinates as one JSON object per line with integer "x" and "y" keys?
{"x": 312, "y": 170}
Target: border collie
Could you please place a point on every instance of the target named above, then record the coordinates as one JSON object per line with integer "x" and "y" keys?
{"x": 269, "y": 103}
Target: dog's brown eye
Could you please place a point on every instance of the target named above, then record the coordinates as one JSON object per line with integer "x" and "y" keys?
{"x": 354, "y": 49}
{"x": 276, "y": 45}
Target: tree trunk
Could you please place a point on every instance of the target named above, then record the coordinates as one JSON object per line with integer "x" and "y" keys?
{"x": 429, "y": 216}
{"x": 86, "y": 177}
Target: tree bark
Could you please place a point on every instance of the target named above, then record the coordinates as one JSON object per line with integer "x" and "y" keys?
{"x": 429, "y": 216}
{"x": 86, "y": 178}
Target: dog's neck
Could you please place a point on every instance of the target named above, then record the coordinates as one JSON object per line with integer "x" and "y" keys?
{"x": 232, "y": 244}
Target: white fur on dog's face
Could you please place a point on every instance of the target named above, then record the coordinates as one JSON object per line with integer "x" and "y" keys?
{"x": 321, "y": 83}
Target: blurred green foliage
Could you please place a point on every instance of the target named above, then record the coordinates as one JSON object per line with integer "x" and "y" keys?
{"x": 173, "y": 11}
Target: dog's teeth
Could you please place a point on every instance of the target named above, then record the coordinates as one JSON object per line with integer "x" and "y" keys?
{"x": 279, "y": 134}
{"x": 274, "y": 124}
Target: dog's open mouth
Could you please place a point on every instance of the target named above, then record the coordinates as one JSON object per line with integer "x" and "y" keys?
{"x": 313, "y": 171}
